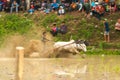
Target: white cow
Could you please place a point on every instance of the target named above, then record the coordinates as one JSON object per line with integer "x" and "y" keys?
{"x": 70, "y": 46}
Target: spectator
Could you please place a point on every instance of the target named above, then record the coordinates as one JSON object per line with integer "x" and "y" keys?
{"x": 54, "y": 30}
{"x": 4, "y": 2}
{"x": 112, "y": 7}
{"x": 37, "y": 5}
{"x": 98, "y": 11}
{"x": 61, "y": 11}
{"x": 31, "y": 10}
{"x": 7, "y": 6}
{"x": 63, "y": 28}
{"x": 106, "y": 31}
{"x": 93, "y": 4}
{"x": 1, "y": 5}
{"x": 23, "y": 5}
{"x": 67, "y": 5}
{"x": 87, "y": 9}
{"x": 43, "y": 5}
{"x": 117, "y": 25}
{"x": 14, "y": 6}
{"x": 73, "y": 6}
{"x": 79, "y": 6}
{"x": 54, "y": 6}
{"x": 48, "y": 7}
{"x": 62, "y": 4}
{"x": 107, "y": 8}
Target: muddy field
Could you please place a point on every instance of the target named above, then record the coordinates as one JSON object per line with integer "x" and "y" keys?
{"x": 90, "y": 68}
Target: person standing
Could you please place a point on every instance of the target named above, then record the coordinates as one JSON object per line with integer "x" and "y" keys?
{"x": 87, "y": 9}
{"x": 106, "y": 31}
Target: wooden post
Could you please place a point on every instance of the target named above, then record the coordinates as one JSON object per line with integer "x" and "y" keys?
{"x": 20, "y": 62}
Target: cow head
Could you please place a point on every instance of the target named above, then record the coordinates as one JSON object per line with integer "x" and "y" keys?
{"x": 82, "y": 42}
{"x": 82, "y": 47}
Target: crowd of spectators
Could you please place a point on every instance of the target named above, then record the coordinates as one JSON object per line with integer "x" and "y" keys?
{"x": 12, "y": 5}
{"x": 92, "y": 7}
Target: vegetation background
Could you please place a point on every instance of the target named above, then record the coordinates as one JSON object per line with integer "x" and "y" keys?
{"x": 25, "y": 27}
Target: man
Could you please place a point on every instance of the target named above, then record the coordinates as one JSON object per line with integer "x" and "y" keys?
{"x": 54, "y": 6}
{"x": 23, "y": 5}
{"x": 106, "y": 31}
{"x": 63, "y": 28}
{"x": 44, "y": 40}
{"x": 14, "y": 6}
{"x": 87, "y": 9}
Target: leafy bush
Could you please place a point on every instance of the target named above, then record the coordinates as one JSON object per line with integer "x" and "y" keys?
{"x": 10, "y": 24}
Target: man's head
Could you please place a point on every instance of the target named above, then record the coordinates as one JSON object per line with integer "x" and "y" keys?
{"x": 44, "y": 32}
{"x": 54, "y": 24}
{"x": 63, "y": 23}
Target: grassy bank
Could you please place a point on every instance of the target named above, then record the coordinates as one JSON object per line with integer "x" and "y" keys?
{"x": 79, "y": 27}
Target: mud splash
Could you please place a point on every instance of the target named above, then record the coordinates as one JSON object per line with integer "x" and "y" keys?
{"x": 31, "y": 46}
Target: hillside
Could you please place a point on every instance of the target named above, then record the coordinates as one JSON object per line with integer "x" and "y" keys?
{"x": 79, "y": 27}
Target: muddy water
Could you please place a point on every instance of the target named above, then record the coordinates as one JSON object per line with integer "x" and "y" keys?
{"x": 90, "y": 68}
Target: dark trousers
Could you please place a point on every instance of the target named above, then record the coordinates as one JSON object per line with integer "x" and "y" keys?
{"x": 97, "y": 15}
{"x": 54, "y": 33}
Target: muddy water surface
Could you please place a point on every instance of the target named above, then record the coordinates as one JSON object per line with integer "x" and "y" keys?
{"x": 89, "y": 68}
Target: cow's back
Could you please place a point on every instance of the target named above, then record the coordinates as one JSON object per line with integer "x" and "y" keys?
{"x": 62, "y": 44}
